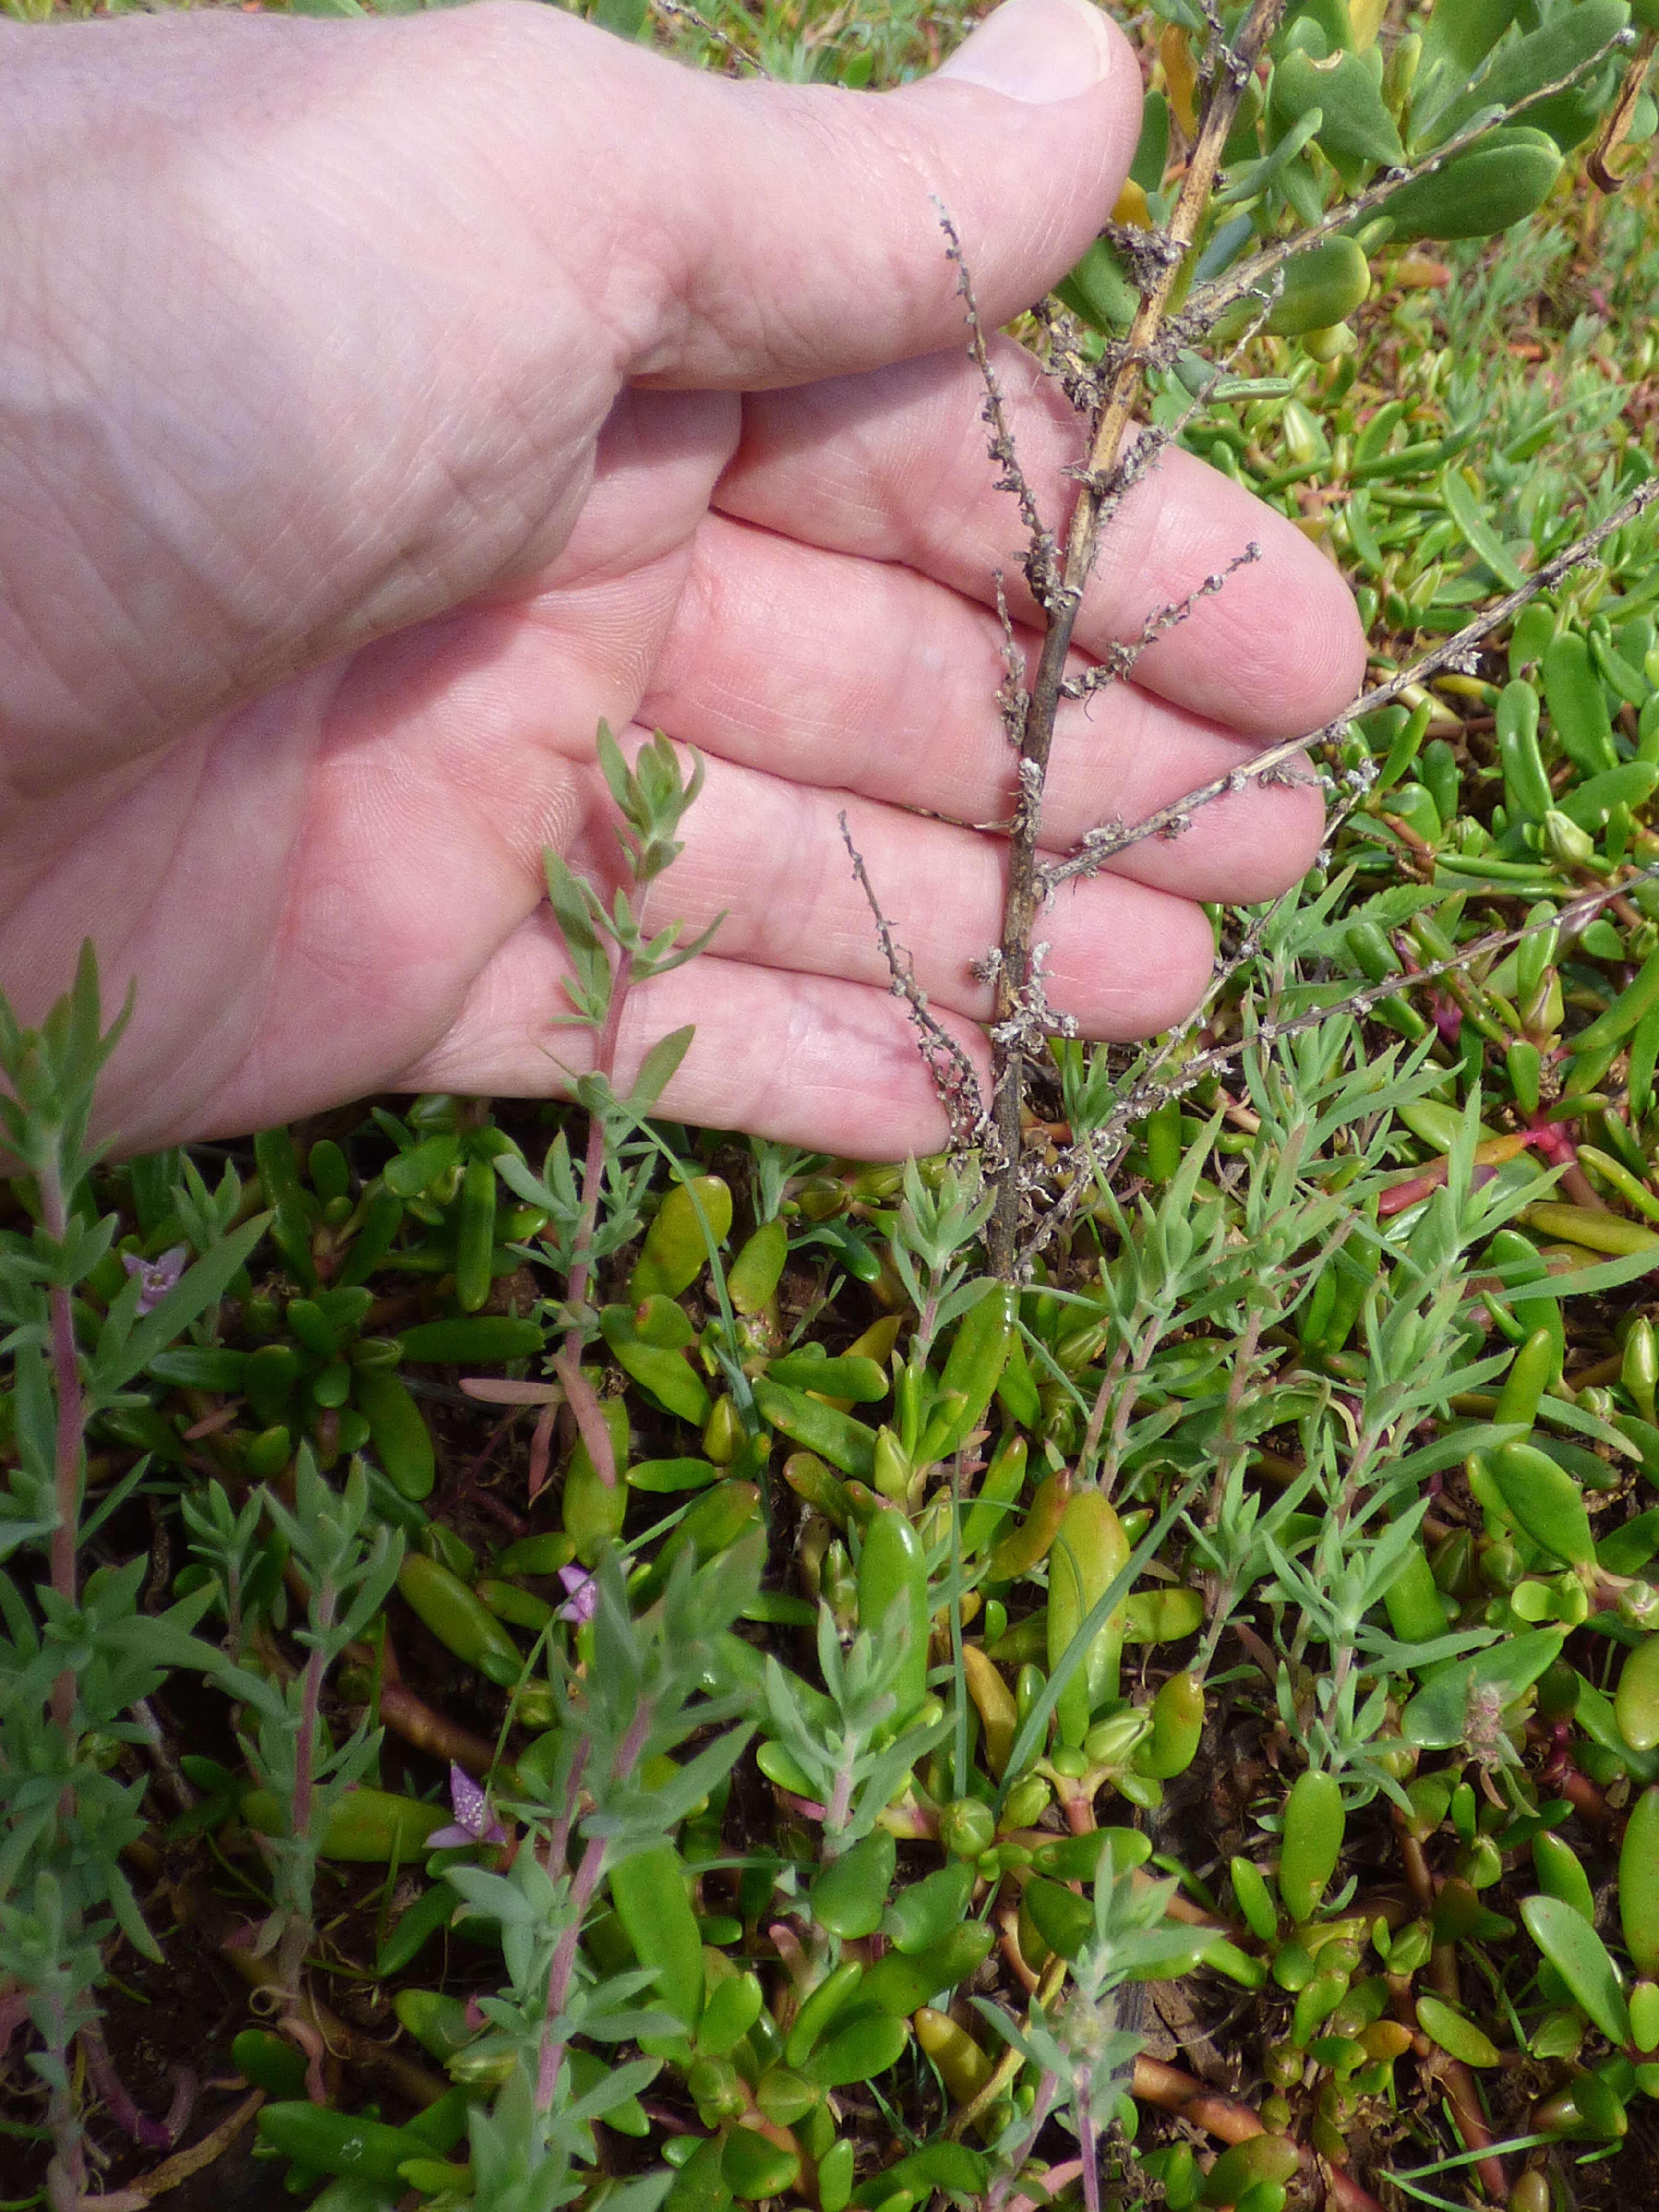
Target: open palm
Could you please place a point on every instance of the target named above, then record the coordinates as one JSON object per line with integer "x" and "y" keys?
{"x": 595, "y": 433}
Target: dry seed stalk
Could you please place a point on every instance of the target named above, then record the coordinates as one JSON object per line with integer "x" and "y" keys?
{"x": 1102, "y": 488}
{"x": 1269, "y": 765}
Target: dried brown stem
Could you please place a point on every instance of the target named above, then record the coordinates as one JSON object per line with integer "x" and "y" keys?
{"x": 1103, "y": 486}
{"x": 1269, "y": 765}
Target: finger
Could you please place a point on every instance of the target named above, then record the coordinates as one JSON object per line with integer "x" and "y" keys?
{"x": 828, "y": 669}
{"x": 894, "y": 467}
{"x": 804, "y": 1060}
{"x": 780, "y": 233}
{"x": 771, "y": 857}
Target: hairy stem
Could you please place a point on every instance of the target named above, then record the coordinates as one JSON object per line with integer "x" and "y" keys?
{"x": 568, "y": 1361}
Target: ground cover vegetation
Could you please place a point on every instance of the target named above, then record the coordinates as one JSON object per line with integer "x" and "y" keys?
{"x": 551, "y": 1659}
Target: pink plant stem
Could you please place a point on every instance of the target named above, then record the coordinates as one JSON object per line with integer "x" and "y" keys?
{"x": 581, "y": 1896}
{"x": 150, "y": 2134}
{"x": 1089, "y": 2143}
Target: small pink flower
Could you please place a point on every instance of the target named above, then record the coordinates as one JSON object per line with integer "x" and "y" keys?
{"x": 157, "y": 1276}
{"x": 474, "y": 1822}
{"x": 582, "y": 1600}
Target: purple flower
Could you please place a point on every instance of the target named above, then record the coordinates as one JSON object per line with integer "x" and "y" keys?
{"x": 474, "y": 1822}
{"x": 582, "y": 1602}
{"x": 157, "y": 1276}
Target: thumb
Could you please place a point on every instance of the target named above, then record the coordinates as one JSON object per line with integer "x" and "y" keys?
{"x": 774, "y": 234}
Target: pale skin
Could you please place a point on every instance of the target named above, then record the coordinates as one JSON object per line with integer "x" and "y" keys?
{"x": 382, "y": 404}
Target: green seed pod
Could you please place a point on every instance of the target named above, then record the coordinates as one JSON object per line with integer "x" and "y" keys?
{"x": 1315, "y": 1824}
{"x": 1635, "y": 1701}
{"x": 988, "y": 1516}
{"x": 486, "y": 1340}
{"x": 752, "y": 1280}
{"x": 1501, "y": 179}
{"x": 858, "y": 2051}
{"x": 834, "y": 1436}
{"x": 1177, "y": 1728}
{"x": 924, "y": 1912}
{"x": 973, "y": 1367}
{"x": 1090, "y": 1550}
{"x": 849, "y": 1895}
{"x": 398, "y": 1429}
{"x": 648, "y": 1889}
{"x": 967, "y": 1827}
{"x": 1028, "y": 1546}
{"x": 754, "y": 2167}
{"x": 1545, "y": 1503}
{"x": 459, "y": 1619}
{"x": 674, "y": 1253}
{"x": 893, "y": 1580}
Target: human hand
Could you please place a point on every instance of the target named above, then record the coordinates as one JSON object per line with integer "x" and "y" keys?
{"x": 383, "y": 403}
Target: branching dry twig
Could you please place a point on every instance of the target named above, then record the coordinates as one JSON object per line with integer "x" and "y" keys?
{"x": 1269, "y": 765}
{"x": 954, "y": 1076}
{"x": 1103, "y": 482}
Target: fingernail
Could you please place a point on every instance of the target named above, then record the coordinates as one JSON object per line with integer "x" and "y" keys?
{"x": 1037, "y": 50}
